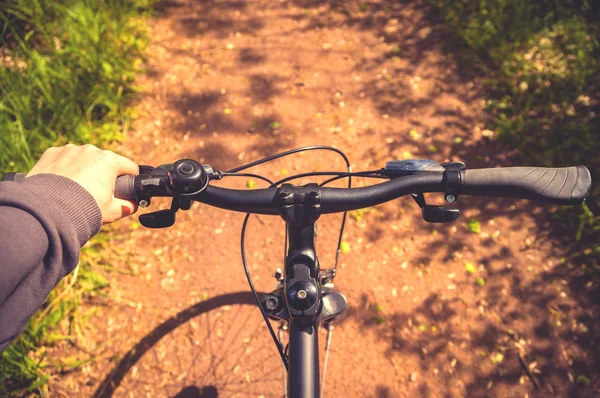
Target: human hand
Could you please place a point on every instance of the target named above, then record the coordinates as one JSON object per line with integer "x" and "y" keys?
{"x": 95, "y": 170}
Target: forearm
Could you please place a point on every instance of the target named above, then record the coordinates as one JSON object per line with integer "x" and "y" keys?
{"x": 44, "y": 220}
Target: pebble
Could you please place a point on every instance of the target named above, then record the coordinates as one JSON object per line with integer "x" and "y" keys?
{"x": 413, "y": 376}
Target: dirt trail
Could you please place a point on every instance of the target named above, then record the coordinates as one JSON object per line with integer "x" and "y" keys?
{"x": 233, "y": 80}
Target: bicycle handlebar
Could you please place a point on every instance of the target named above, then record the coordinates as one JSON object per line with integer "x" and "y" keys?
{"x": 333, "y": 200}
{"x": 559, "y": 186}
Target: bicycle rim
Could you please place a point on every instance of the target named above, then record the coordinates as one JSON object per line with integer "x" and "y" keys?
{"x": 219, "y": 347}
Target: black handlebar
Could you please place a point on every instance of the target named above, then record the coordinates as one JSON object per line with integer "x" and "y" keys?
{"x": 333, "y": 200}
{"x": 559, "y": 186}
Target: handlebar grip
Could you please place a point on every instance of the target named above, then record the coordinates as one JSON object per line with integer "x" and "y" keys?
{"x": 559, "y": 186}
{"x": 125, "y": 187}
{"x": 12, "y": 176}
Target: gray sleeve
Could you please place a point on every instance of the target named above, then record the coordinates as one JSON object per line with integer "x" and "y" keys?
{"x": 44, "y": 221}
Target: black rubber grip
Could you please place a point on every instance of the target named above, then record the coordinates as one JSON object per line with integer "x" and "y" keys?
{"x": 125, "y": 187}
{"x": 13, "y": 176}
{"x": 559, "y": 186}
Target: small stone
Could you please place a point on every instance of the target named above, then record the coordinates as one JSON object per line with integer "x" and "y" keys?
{"x": 230, "y": 46}
{"x": 413, "y": 377}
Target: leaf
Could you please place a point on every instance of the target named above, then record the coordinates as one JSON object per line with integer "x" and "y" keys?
{"x": 406, "y": 155}
{"x": 275, "y": 125}
{"x": 227, "y": 111}
{"x": 251, "y": 184}
{"x": 432, "y": 148}
{"x": 498, "y": 358}
{"x": 581, "y": 379}
{"x": 422, "y": 328}
{"x": 458, "y": 140}
{"x": 378, "y": 308}
{"x": 474, "y": 226}
{"x": 480, "y": 281}
{"x": 470, "y": 268}
{"x": 345, "y": 247}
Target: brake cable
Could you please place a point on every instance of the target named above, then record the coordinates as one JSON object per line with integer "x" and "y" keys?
{"x": 234, "y": 172}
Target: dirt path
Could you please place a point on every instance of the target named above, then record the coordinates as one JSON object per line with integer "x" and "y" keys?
{"x": 230, "y": 81}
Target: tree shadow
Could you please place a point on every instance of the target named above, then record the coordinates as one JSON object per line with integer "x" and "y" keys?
{"x": 521, "y": 307}
{"x": 131, "y": 357}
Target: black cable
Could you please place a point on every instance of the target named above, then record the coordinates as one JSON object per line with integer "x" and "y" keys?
{"x": 243, "y": 232}
{"x": 338, "y": 174}
{"x": 302, "y": 149}
{"x": 229, "y": 174}
{"x": 339, "y": 244}
{"x": 291, "y": 152}
{"x": 357, "y": 175}
{"x": 262, "y": 310}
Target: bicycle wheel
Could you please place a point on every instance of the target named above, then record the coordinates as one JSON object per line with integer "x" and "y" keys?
{"x": 219, "y": 347}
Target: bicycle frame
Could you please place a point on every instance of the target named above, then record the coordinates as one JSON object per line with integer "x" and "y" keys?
{"x": 302, "y": 268}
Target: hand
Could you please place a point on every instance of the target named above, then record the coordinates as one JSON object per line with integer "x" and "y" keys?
{"x": 95, "y": 170}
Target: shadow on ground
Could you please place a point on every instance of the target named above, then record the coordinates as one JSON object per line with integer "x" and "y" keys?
{"x": 530, "y": 333}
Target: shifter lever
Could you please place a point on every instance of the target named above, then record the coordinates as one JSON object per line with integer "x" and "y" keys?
{"x": 435, "y": 214}
{"x": 158, "y": 219}
{"x": 162, "y": 218}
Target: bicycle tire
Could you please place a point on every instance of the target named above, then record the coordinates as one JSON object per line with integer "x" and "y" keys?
{"x": 181, "y": 358}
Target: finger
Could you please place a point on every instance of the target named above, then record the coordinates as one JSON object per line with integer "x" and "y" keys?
{"x": 118, "y": 209}
{"x": 126, "y": 166}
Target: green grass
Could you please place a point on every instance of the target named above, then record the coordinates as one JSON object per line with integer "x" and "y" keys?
{"x": 24, "y": 365}
{"x": 541, "y": 62}
{"x": 67, "y": 70}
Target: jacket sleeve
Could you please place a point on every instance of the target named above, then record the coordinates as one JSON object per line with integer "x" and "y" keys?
{"x": 44, "y": 221}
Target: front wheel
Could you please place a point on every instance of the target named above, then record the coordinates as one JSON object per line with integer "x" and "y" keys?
{"x": 218, "y": 347}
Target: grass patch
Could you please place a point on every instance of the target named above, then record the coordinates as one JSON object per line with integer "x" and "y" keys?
{"x": 541, "y": 60}
{"x": 25, "y": 365}
{"x": 67, "y": 70}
